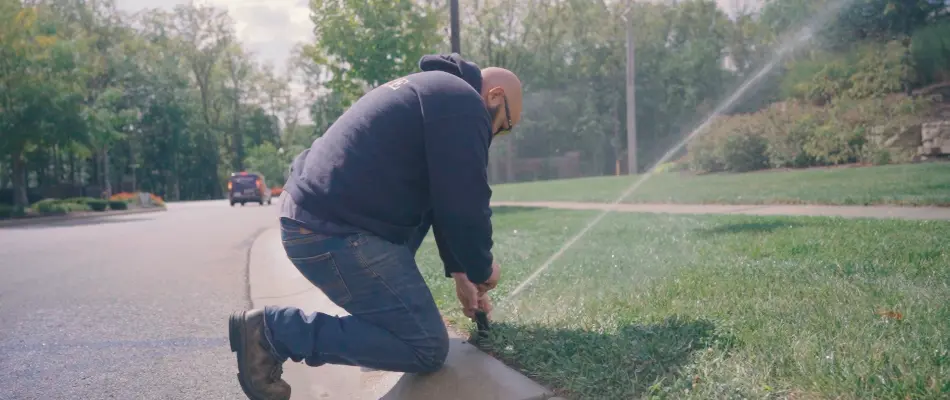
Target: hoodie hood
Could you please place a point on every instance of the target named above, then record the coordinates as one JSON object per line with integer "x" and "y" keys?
{"x": 455, "y": 65}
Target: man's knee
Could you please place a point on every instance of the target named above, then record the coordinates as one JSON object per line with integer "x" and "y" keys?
{"x": 432, "y": 355}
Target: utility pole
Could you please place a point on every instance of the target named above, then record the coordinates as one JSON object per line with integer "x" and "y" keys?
{"x": 454, "y": 26}
{"x": 631, "y": 100}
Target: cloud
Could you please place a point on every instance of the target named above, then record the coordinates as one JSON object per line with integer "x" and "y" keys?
{"x": 268, "y": 28}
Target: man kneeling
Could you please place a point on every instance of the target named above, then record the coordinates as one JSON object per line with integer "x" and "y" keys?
{"x": 409, "y": 155}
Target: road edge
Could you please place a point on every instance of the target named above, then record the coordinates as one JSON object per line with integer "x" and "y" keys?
{"x": 394, "y": 385}
{"x": 14, "y": 222}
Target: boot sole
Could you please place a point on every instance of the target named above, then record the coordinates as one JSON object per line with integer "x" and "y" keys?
{"x": 236, "y": 334}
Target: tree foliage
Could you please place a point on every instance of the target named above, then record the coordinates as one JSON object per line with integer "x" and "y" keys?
{"x": 93, "y": 99}
{"x": 365, "y": 43}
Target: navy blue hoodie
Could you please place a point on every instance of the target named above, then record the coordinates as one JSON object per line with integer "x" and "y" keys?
{"x": 409, "y": 154}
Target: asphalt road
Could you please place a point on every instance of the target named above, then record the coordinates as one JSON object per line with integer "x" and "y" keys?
{"x": 130, "y": 307}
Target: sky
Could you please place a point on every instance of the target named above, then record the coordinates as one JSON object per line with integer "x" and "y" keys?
{"x": 271, "y": 28}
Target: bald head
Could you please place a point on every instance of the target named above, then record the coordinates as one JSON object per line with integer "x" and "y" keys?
{"x": 501, "y": 86}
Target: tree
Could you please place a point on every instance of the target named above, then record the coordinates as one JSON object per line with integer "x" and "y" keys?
{"x": 272, "y": 162}
{"x": 365, "y": 43}
{"x": 239, "y": 70}
{"x": 205, "y": 34}
{"x": 38, "y": 83}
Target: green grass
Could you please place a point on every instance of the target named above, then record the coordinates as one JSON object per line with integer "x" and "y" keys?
{"x": 909, "y": 184}
{"x": 714, "y": 307}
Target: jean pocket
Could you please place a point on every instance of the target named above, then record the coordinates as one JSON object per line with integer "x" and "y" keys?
{"x": 322, "y": 271}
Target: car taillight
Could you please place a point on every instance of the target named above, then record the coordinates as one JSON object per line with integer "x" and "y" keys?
{"x": 260, "y": 185}
{"x": 229, "y": 185}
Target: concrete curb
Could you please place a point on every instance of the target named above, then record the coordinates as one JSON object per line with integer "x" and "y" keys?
{"x": 76, "y": 216}
{"x": 877, "y": 212}
{"x": 468, "y": 374}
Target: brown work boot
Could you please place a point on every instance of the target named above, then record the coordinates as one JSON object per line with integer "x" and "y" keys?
{"x": 258, "y": 369}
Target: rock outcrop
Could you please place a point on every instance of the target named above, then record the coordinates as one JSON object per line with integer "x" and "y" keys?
{"x": 935, "y": 139}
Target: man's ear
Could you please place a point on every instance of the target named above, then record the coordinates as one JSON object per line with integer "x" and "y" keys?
{"x": 496, "y": 95}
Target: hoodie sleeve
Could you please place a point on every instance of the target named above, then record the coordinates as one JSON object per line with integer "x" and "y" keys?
{"x": 415, "y": 241}
{"x": 449, "y": 262}
{"x": 457, "y": 155}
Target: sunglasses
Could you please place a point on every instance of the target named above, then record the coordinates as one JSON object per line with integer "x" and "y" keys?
{"x": 505, "y": 131}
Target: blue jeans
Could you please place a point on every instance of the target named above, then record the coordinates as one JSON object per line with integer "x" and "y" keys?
{"x": 394, "y": 323}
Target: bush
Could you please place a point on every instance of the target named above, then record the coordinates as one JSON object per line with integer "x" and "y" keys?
{"x": 118, "y": 205}
{"x": 735, "y": 143}
{"x": 98, "y": 205}
{"x": 124, "y": 196}
{"x": 671, "y": 166}
{"x": 157, "y": 200}
{"x": 47, "y": 206}
{"x": 744, "y": 152}
{"x": 787, "y": 149}
{"x": 703, "y": 156}
{"x": 867, "y": 70}
{"x": 58, "y": 207}
{"x": 930, "y": 50}
{"x": 798, "y": 135}
{"x": 79, "y": 200}
{"x": 6, "y": 211}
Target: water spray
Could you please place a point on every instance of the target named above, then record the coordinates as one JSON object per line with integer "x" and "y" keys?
{"x": 802, "y": 36}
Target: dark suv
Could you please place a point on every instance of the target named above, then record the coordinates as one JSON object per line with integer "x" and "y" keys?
{"x": 248, "y": 187}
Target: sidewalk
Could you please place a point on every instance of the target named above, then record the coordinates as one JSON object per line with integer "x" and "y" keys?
{"x": 75, "y": 216}
{"x": 881, "y": 212}
{"x": 469, "y": 374}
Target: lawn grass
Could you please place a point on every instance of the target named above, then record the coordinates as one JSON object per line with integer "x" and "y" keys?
{"x": 714, "y": 307}
{"x": 908, "y": 184}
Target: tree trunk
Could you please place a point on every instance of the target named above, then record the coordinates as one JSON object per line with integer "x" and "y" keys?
{"x": 58, "y": 169}
{"x": 175, "y": 184}
{"x": 73, "y": 176}
{"x": 20, "y": 201}
{"x": 106, "y": 179}
{"x": 4, "y": 175}
{"x": 237, "y": 139}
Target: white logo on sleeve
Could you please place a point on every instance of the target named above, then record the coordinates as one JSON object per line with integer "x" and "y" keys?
{"x": 396, "y": 84}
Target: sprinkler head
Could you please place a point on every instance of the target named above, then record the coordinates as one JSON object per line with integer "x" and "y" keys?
{"x": 481, "y": 322}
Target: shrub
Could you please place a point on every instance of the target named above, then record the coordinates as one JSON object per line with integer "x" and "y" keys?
{"x": 6, "y": 211}
{"x": 828, "y": 146}
{"x": 798, "y": 135}
{"x": 47, "y": 206}
{"x": 118, "y": 205}
{"x": 156, "y": 200}
{"x": 133, "y": 197}
{"x": 124, "y": 196}
{"x": 671, "y": 166}
{"x": 880, "y": 157}
{"x": 744, "y": 152}
{"x": 78, "y": 200}
{"x": 930, "y": 51}
{"x": 703, "y": 156}
{"x": 58, "y": 207}
{"x": 787, "y": 149}
{"x": 98, "y": 205}
{"x": 880, "y": 68}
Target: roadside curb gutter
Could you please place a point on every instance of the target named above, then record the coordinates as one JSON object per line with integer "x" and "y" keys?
{"x": 76, "y": 216}
{"x": 469, "y": 373}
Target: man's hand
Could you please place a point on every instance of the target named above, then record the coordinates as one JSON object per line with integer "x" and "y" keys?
{"x": 475, "y": 297}
{"x": 492, "y": 280}
{"x": 467, "y": 294}
{"x": 484, "y": 304}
